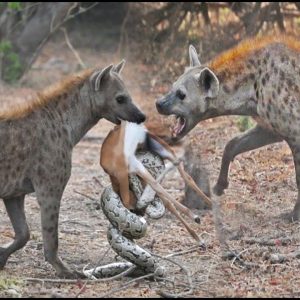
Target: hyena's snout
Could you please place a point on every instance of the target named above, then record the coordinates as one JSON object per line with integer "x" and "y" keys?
{"x": 159, "y": 105}
{"x": 163, "y": 105}
{"x": 136, "y": 116}
{"x": 140, "y": 118}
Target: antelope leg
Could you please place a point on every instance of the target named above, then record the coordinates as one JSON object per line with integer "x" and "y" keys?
{"x": 168, "y": 201}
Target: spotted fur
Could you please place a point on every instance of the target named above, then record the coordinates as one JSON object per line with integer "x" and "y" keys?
{"x": 36, "y": 143}
{"x": 259, "y": 78}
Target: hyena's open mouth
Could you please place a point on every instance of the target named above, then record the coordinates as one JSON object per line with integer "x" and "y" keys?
{"x": 179, "y": 126}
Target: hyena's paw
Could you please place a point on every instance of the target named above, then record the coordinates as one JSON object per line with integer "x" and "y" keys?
{"x": 219, "y": 188}
{"x": 64, "y": 271}
{"x": 295, "y": 216}
{"x": 3, "y": 258}
{"x": 70, "y": 274}
{"x": 290, "y": 217}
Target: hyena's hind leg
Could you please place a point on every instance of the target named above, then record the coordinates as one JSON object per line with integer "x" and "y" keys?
{"x": 252, "y": 139}
{"x": 295, "y": 215}
{"x": 15, "y": 211}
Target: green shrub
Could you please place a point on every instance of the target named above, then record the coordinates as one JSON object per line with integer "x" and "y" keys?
{"x": 14, "y": 5}
{"x": 12, "y": 69}
{"x": 244, "y": 123}
{"x": 11, "y": 287}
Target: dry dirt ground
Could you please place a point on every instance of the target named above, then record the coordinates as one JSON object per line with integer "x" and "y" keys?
{"x": 262, "y": 187}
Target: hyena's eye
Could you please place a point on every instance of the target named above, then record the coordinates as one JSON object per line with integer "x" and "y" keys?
{"x": 180, "y": 94}
{"x": 121, "y": 99}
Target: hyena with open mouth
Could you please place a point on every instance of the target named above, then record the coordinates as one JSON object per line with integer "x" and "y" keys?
{"x": 258, "y": 78}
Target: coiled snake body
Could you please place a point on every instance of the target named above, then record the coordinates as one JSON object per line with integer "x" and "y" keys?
{"x": 126, "y": 225}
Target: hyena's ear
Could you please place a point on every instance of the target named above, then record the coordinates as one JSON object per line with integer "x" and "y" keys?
{"x": 208, "y": 82}
{"x": 194, "y": 60}
{"x": 99, "y": 76}
{"x": 119, "y": 67}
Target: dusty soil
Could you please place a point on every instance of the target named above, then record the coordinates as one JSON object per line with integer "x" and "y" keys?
{"x": 262, "y": 188}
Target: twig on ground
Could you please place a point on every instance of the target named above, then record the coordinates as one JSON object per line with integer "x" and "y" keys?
{"x": 98, "y": 181}
{"x": 126, "y": 285}
{"x": 190, "y": 281}
{"x": 192, "y": 249}
{"x": 238, "y": 256}
{"x": 87, "y": 196}
{"x": 268, "y": 242}
{"x": 162, "y": 293}
{"x": 82, "y": 289}
{"x": 86, "y": 282}
{"x": 75, "y": 221}
{"x": 50, "y": 280}
{"x": 279, "y": 258}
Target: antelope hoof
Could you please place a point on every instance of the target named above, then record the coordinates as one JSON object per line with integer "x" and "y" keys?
{"x": 219, "y": 188}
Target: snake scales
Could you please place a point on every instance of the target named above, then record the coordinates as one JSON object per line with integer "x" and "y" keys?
{"x": 125, "y": 226}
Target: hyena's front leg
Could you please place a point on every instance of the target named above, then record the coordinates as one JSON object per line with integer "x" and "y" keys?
{"x": 15, "y": 211}
{"x": 50, "y": 203}
{"x": 296, "y": 212}
{"x": 252, "y": 139}
{"x": 49, "y": 189}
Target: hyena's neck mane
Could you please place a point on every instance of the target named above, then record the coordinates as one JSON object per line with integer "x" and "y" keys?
{"x": 234, "y": 61}
{"x": 55, "y": 92}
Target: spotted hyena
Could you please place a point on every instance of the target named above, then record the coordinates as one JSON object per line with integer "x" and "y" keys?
{"x": 258, "y": 78}
{"x": 36, "y": 143}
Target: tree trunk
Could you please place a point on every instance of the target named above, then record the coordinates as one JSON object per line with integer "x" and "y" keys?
{"x": 279, "y": 17}
{"x": 25, "y": 33}
{"x": 195, "y": 168}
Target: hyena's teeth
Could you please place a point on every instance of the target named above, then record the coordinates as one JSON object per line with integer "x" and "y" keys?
{"x": 179, "y": 125}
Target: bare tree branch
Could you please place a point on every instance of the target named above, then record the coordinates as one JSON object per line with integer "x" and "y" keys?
{"x": 76, "y": 54}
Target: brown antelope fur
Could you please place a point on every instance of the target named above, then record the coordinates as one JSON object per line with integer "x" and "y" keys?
{"x": 36, "y": 144}
{"x": 260, "y": 78}
{"x": 116, "y": 165}
{"x": 117, "y": 158}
